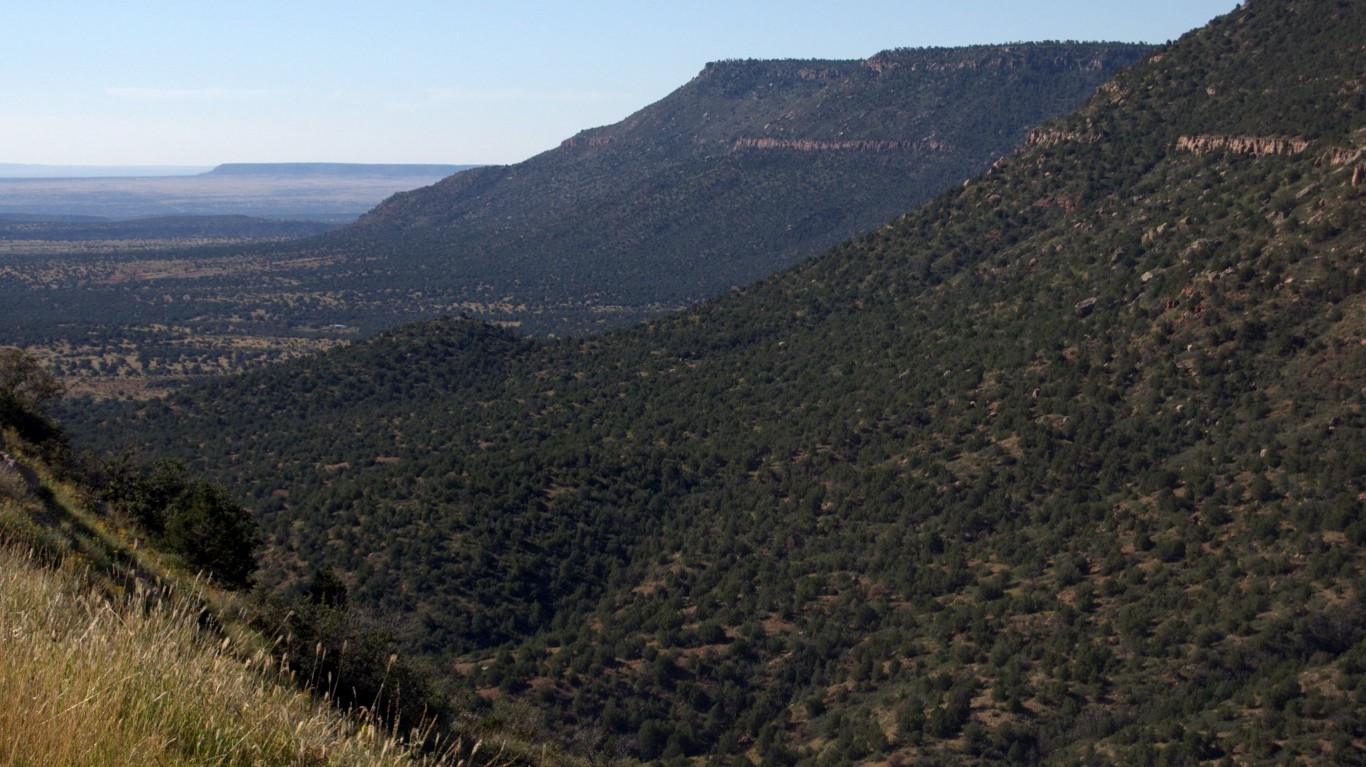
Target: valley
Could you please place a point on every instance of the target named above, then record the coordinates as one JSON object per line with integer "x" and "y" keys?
{"x": 131, "y": 286}
{"x": 91, "y": 302}
{"x": 1062, "y": 466}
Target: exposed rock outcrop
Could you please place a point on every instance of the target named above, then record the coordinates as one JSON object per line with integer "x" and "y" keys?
{"x": 1047, "y": 138}
{"x": 828, "y": 73}
{"x": 1065, "y": 203}
{"x": 1346, "y": 156}
{"x": 1256, "y": 146}
{"x": 1342, "y": 156}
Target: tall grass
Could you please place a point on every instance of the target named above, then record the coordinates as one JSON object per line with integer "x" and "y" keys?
{"x": 89, "y": 681}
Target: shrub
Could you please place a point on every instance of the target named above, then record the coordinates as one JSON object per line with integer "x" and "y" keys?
{"x": 198, "y": 520}
{"x": 213, "y": 532}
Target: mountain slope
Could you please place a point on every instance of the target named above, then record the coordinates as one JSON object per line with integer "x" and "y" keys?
{"x": 750, "y": 167}
{"x": 1064, "y": 466}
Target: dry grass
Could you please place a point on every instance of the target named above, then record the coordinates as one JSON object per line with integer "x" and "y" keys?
{"x": 89, "y": 681}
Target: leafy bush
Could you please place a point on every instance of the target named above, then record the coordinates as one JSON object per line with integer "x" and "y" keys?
{"x": 26, "y": 388}
{"x": 214, "y": 533}
{"x": 198, "y": 520}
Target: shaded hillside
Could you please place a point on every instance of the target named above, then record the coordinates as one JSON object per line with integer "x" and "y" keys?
{"x": 125, "y": 638}
{"x": 749, "y": 168}
{"x": 1065, "y": 466}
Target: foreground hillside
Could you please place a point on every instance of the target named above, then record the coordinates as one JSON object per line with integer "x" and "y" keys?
{"x": 88, "y": 679}
{"x": 1066, "y": 466}
{"x": 126, "y": 637}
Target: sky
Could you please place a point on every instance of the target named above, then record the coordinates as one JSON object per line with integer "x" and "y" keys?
{"x": 170, "y": 82}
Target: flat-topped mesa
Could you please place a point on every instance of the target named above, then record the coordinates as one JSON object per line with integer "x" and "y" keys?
{"x": 749, "y": 167}
{"x": 1257, "y": 146}
{"x": 987, "y": 57}
{"x": 582, "y": 140}
{"x": 855, "y": 145}
{"x": 773, "y": 70}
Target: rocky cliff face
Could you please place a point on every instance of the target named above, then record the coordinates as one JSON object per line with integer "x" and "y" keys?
{"x": 812, "y": 70}
{"x": 1341, "y": 156}
{"x": 1257, "y": 146}
{"x": 1046, "y": 138}
{"x": 582, "y": 140}
{"x": 1347, "y": 156}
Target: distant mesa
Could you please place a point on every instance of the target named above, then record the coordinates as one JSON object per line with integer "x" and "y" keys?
{"x": 236, "y": 169}
{"x": 32, "y": 171}
{"x": 334, "y": 169}
{"x": 335, "y": 193}
{"x": 749, "y": 167}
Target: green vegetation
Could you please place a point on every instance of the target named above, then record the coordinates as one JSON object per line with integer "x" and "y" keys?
{"x": 195, "y": 519}
{"x": 1066, "y": 466}
{"x": 26, "y": 388}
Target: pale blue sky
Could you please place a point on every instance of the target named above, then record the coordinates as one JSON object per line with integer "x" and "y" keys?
{"x": 171, "y": 82}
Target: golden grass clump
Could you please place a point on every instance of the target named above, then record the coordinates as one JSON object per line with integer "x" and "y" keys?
{"x": 89, "y": 681}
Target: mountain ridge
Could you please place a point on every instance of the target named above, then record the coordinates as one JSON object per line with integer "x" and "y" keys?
{"x": 694, "y": 189}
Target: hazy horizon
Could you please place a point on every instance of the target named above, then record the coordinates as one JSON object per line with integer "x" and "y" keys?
{"x": 40, "y": 170}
